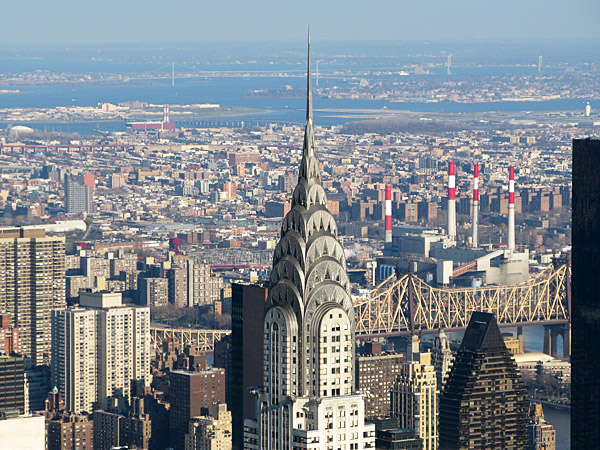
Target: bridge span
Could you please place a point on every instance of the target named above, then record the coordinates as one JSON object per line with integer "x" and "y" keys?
{"x": 407, "y": 305}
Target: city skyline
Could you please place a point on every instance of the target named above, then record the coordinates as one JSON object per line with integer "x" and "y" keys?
{"x": 319, "y": 278}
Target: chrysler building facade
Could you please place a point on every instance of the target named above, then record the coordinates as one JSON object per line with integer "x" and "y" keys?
{"x": 308, "y": 399}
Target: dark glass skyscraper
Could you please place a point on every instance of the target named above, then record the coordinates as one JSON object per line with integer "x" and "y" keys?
{"x": 483, "y": 405}
{"x": 585, "y": 312}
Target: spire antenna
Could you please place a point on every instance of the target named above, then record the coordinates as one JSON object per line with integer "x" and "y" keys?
{"x": 309, "y": 105}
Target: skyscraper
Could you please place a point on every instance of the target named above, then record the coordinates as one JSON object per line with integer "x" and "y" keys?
{"x": 79, "y": 194}
{"x": 32, "y": 282}
{"x": 98, "y": 348}
{"x": 247, "y": 310}
{"x": 414, "y": 399}
{"x": 585, "y": 351}
{"x": 308, "y": 399}
{"x": 482, "y": 405}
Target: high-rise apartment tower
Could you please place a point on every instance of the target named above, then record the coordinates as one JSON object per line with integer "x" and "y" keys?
{"x": 32, "y": 282}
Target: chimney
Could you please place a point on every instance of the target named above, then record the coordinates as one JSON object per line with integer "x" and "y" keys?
{"x": 166, "y": 114}
{"x": 451, "y": 200}
{"x": 511, "y": 209}
{"x": 388, "y": 216}
{"x": 476, "y": 206}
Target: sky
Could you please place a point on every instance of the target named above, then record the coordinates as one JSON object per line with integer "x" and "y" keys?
{"x": 109, "y": 21}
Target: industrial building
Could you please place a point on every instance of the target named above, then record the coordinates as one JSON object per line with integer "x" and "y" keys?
{"x": 436, "y": 256}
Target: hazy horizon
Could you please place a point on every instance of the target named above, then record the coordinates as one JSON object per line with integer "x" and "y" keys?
{"x": 137, "y": 21}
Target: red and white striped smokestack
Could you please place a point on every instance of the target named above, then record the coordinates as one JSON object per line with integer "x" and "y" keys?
{"x": 388, "y": 216}
{"x": 511, "y": 208}
{"x": 476, "y": 205}
{"x": 451, "y": 200}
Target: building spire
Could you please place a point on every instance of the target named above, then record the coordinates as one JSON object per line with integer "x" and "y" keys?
{"x": 309, "y": 105}
{"x": 309, "y": 168}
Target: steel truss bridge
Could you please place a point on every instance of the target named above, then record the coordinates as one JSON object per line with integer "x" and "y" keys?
{"x": 203, "y": 340}
{"x": 407, "y": 305}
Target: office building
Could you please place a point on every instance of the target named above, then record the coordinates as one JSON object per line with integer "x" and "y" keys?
{"x": 32, "y": 282}
{"x": 247, "y": 310}
{"x": 98, "y": 348}
{"x": 414, "y": 399}
{"x": 483, "y": 403}
{"x": 376, "y": 374}
{"x": 210, "y": 432}
{"x": 12, "y": 383}
{"x": 308, "y": 397}
{"x": 192, "y": 394}
{"x": 79, "y": 194}
{"x": 585, "y": 313}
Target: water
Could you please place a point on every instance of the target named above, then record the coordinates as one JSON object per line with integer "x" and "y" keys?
{"x": 562, "y": 424}
{"x": 231, "y": 91}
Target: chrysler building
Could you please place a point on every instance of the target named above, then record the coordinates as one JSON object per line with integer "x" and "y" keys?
{"x": 308, "y": 398}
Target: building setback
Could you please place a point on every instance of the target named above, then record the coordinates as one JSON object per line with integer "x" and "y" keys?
{"x": 483, "y": 405}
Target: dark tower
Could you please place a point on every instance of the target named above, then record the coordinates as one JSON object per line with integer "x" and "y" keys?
{"x": 483, "y": 403}
{"x": 585, "y": 320}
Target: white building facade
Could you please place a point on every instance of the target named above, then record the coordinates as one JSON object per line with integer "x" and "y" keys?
{"x": 98, "y": 349}
{"x": 308, "y": 398}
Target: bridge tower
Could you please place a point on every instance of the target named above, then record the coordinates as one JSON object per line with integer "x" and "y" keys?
{"x": 551, "y": 333}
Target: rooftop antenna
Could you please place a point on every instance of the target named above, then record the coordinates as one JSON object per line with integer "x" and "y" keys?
{"x": 173, "y": 74}
{"x": 540, "y": 64}
{"x": 449, "y": 64}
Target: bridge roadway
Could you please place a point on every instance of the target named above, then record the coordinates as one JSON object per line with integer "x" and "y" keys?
{"x": 407, "y": 305}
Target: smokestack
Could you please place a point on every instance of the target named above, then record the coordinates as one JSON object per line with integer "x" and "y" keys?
{"x": 388, "y": 216}
{"x": 511, "y": 209}
{"x": 166, "y": 113}
{"x": 451, "y": 200}
{"x": 476, "y": 206}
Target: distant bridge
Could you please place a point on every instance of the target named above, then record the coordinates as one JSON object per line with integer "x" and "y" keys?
{"x": 407, "y": 305}
{"x": 203, "y": 340}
